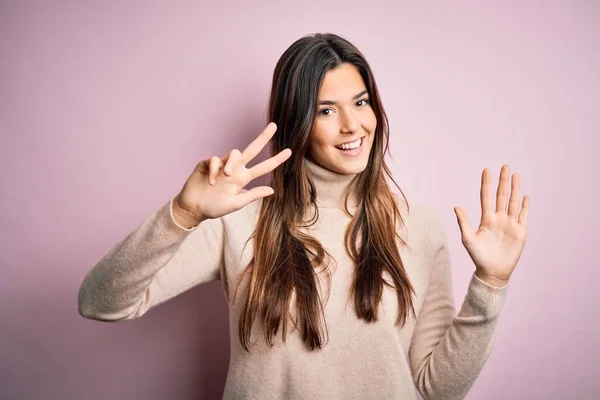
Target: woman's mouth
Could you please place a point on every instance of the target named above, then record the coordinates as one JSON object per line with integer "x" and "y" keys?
{"x": 351, "y": 148}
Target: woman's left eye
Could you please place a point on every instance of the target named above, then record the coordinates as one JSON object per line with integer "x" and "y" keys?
{"x": 362, "y": 102}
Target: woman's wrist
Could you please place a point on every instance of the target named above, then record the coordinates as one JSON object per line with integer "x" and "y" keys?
{"x": 491, "y": 280}
{"x": 183, "y": 217}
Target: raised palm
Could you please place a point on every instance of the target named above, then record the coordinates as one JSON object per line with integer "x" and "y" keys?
{"x": 499, "y": 241}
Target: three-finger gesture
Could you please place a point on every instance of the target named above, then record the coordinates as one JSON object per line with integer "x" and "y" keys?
{"x": 498, "y": 243}
{"x": 215, "y": 187}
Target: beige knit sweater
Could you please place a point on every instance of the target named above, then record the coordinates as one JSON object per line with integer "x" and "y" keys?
{"x": 441, "y": 353}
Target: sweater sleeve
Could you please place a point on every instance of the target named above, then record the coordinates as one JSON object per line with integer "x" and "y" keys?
{"x": 448, "y": 351}
{"x": 154, "y": 263}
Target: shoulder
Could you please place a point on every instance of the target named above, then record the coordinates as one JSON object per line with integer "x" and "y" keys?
{"x": 422, "y": 223}
{"x": 418, "y": 213}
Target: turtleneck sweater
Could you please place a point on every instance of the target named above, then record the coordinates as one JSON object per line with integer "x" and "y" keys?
{"x": 439, "y": 352}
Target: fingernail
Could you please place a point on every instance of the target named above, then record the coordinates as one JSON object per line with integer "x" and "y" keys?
{"x": 212, "y": 181}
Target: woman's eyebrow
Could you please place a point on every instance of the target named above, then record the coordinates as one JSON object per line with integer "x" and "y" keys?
{"x": 333, "y": 103}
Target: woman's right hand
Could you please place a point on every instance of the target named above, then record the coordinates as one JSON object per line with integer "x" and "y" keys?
{"x": 215, "y": 187}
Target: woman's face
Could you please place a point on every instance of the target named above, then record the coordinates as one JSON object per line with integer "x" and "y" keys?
{"x": 344, "y": 121}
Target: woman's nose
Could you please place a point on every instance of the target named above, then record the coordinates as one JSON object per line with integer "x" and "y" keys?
{"x": 350, "y": 122}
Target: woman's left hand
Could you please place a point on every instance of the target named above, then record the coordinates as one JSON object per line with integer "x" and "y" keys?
{"x": 498, "y": 243}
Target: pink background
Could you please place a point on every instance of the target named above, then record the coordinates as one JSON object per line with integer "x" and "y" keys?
{"x": 106, "y": 107}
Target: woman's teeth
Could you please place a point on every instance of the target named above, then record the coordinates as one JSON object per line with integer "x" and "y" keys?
{"x": 349, "y": 146}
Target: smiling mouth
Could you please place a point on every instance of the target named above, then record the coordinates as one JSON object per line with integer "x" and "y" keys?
{"x": 349, "y": 146}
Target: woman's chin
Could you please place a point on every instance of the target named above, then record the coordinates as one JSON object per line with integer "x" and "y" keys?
{"x": 350, "y": 167}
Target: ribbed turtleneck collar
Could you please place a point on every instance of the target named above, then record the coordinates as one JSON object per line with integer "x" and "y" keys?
{"x": 331, "y": 186}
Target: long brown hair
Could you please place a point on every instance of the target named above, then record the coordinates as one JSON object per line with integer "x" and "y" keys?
{"x": 285, "y": 259}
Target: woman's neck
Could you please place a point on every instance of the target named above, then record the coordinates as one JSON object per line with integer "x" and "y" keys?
{"x": 331, "y": 186}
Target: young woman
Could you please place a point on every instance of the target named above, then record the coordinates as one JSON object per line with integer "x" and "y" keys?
{"x": 337, "y": 288}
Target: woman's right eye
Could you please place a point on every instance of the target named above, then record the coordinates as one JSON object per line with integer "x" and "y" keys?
{"x": 325, "y": 112}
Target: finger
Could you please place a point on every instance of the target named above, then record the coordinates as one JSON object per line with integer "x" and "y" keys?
{"x": 225, "y": 158}
{"x": 515, "y": 194}
{"x": 213, "y": 169}
{"x": 524, "y": 214}
{"x": 270, "y": 164}
{"x": 465, "y": 228}
{"x": 256, "y": 146}
{"x": 247, "y": 197}
{"x": 232, "y": 159}
{"x": 502, "y": 191}
{"x": 486, "y": 201}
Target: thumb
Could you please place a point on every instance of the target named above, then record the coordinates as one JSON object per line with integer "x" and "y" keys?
{"x": 248, "y": 196}
{"x": 463, "y": 223}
